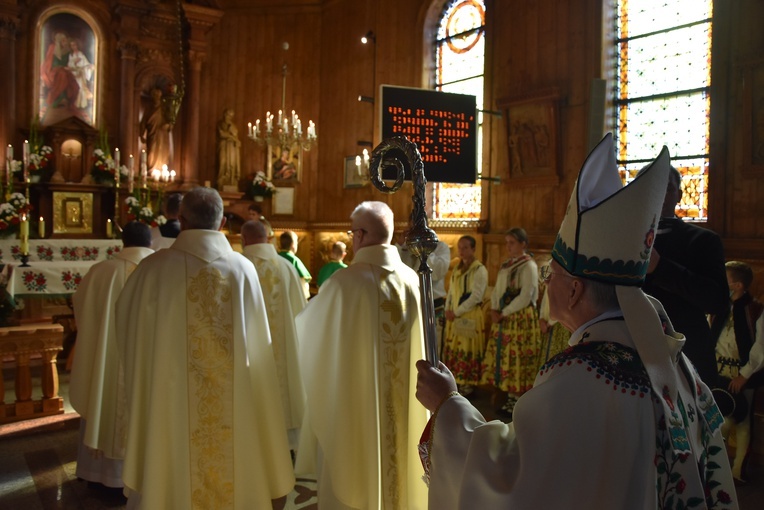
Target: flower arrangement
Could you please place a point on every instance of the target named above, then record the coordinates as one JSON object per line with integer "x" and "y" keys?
{"x": 104, "y": 169}
{"x": 136, "y": 211}
{"x": 40, "y": 160}
{"x": 11, "y": 211}
{"x": 261, "y": 186}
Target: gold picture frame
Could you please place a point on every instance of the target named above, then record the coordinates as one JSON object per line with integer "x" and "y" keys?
{"x": 72, "y": 213}
{"x": 285, "y": 163}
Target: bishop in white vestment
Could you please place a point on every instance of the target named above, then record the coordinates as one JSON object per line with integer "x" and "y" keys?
{"x": 284, "y": 299}
{"x": 205, "y": 428}
{"x": 97, "y": 386}
{"x": 359, "y": 339}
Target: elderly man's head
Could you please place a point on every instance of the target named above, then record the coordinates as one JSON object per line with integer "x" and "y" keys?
{"x": 371, "y": 224}
{"x": 202, "y": 209}
{"x": 254, "y": 232}
{"x": 573, "y": 300}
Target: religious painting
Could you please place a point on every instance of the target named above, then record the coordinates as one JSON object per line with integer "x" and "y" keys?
{"x": 753, "y": 115}
{"x": 72, "y": 213}
{"x": 67, "y": 63}
{"x": 532, "y": 131}
{"x": 355, "y": 176}
{"x": 285, "y": 163}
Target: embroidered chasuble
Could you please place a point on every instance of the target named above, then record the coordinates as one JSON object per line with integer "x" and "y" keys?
{"x": 597, "y": 392}
{"x": 284, "y": 299}
{"x": 206, "y": 429}
{"x": 96, "y": 387}
{"x": 359, "y": 340}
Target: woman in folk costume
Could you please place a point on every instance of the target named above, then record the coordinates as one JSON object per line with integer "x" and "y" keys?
{"x": 465, "y": 337}
{"x": 511, "y": 357}
{"x": 620, "y": 419}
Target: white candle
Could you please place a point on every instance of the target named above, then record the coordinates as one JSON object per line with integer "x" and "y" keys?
{"x": 25, "y": 159}
{"x": 41, "y": 228}
{"x": 8, "y": 163}
{"x": 109, "y": 230}
{"x": 249, "y": 129}
{"x": 155, "y": 174}
{"x": 172, "y": 175}
{"x": 116, "y": 160}
{"x": 24, "y": 235}
{"x": 143, "y": 157}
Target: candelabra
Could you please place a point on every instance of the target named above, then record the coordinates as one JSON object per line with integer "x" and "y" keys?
{"x": 362, "y": 164}
{"x": 287, "y": 130}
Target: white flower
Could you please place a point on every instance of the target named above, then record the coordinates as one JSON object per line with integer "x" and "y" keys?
{"x": 19, "y": 197}
{"x": 98, "y": 152}
{"x": 146, "y": 212}
{"x": 16, "y": 166}
{"x": 7, "y": 209}
{"x": 123, "y": 170}
{"x": 161, "y": 220}
{"x": 131, "y": 201}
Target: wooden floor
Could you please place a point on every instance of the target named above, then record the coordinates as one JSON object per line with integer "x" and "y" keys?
{"x": 37, "y": 464}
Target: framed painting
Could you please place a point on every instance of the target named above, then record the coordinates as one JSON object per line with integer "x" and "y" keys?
{"x": 67, "y": 66}
{"x": 72, "y": 213}
{"x": 355, "y": 177}
{"x": 532, "y": 137}
{"x": 285, "y": 163}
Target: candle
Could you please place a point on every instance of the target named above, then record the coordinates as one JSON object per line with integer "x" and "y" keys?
{"x": 130, "y": 173}
{"x": 41, "y": 228}
{"x": 24, "y": 235}
{"x": 8, "y": 163}
{"x": 257, "y": 128}
{"x": 143, "y": 156}
{"x": 25, "y": 159}
{"x": 109, "y": 231}
{"x": 116, "y": 160}
{"x": 249, "y": 129}
{"x": 172, "y": 175}
{"x": 155, "y": 174}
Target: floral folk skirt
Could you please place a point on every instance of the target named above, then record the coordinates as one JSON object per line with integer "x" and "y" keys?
{"x": 554, "y": 342}
{"x": 512, "y": 358}
{"x": 463, "y": 346}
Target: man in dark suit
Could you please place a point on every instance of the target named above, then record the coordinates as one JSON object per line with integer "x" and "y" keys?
{"x": 686, "y": 273}
{"x": 171, "y": 211}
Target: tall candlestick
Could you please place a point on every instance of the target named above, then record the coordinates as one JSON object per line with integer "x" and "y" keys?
{"x": 41, "y": 228}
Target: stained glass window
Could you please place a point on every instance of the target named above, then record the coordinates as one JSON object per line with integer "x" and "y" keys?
{"x": 663, "y": 80}
{"x": 459, "y": 68}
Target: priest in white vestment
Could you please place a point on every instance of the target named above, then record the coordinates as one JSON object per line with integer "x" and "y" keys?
{"x": 620, "y": 419}
{"x": 359, "y": 339}
{"x": 97, "y": 386}
{"x": 205, "y": 428}
{"x": 284, "y": 299}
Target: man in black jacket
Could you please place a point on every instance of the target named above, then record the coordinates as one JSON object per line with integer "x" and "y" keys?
{"x": 686, "y": 273}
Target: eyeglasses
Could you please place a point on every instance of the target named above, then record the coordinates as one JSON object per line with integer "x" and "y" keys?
{"x": 546, "y": 273}
{"x": 351, "y": 233}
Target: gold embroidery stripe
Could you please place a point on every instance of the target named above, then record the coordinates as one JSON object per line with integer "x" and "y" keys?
{"x": 210, "y": 382}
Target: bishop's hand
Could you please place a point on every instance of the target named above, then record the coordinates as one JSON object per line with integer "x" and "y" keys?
{"x": 433, "y": 386}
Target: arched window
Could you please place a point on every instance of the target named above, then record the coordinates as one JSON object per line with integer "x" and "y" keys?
{"x": 663, "y": 80}
{"x": 459, "y": 68}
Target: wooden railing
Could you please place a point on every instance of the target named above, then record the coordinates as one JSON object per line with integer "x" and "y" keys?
{"x": 20, "y": 345}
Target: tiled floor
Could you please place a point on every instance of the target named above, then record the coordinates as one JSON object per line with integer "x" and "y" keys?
{"x": 37, "y": 468}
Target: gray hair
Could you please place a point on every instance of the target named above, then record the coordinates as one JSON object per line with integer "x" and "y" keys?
{"x": 602, "y": 295}
{"x": 377, "y": 219}
{"x": 202, "y": 209}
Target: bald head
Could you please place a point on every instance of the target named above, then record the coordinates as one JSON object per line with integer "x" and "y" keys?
{"x": 375, "y": 219}
{"x": 201, "y": 208}
{"x": 253, "y": 232}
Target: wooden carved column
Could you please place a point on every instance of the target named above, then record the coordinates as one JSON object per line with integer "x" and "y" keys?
{"x": 191, "y": 133}
{"x": 8, "y": 28}
{"x": 127, "y": 136}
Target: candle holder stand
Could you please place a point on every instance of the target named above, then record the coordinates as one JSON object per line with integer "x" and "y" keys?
{"x": 25, "y": 260}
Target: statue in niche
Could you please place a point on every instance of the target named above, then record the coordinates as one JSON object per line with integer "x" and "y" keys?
{"x": 154, "y": 132}
{"x": 229, "y": 167}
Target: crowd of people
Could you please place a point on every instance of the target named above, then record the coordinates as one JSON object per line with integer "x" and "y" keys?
{"x": 212, "y": 382}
